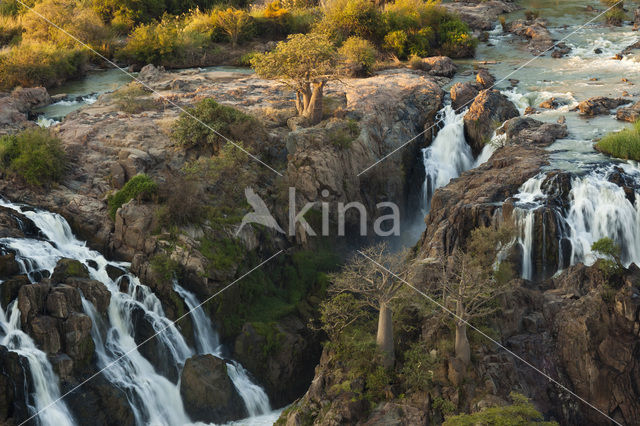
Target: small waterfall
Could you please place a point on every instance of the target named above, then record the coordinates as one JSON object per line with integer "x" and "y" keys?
{"x": 45, "y": 388}
{"x": 207, "y": 342}
{"x": 448, "y": 155}
{"x": 153, "y": 398}
{"x": 597, "y": 208}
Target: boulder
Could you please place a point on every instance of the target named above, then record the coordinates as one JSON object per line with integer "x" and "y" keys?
{"x": 535, "y": 31}
{"x": 481, "y": 16}
{"x": 31, "y": 300}
{"x": 15, "y": 106}
{"x": 77, "y": 340}
{"x": 15, "y": 225}
{"x": 441, "y": 66}
{"x": 151, "y": 73}
{"x": 630, "y": 114}
{"x": 94, "y": 291}
{"x": 10, "y": 288}
{"x": 62, "y": 301}
{"x": 66, "y": 268}
{"x": 134, "y": 223}
{"x": 551, "y": 103}
{"x": 489, "y": 109}
{"x": 44, "y": 330}
{"x": 485, "y": 80}
{"x": 600, "y": 105}
{"x": 14, "y": 373}
{"x": 8, "y": 266}
{"x": 462, "y": 94}
{"x": 528, "y": 131}
{"x": 207, "y": 391}
{"x": 99, "y": 402}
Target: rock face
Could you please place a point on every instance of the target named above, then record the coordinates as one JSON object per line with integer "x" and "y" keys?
{"x": 14, "y": 107}
{"x": 489, "y": 109}
{"x": 480, "y": 15}
{"x": 207, "y": 392}
{"x": 462, "y": 94}
{"x": 630, "y": 114}
{"x": 600, "y": 105}
{"x": 286, "y": 371}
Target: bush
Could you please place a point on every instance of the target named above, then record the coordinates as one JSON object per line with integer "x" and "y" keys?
{"x": 225, "y": 120}
{"x": 615, "y": 16}
{"x": 456, "y": 39}
{"x": 134, "y": 98}
{"x": 345, "y": 18}
{"x": 34, "y": 155}
{"x": 276, "y": 20}
{"x": 182, "y": 201}
{"x": 609, "y": 253}
{"x": 359, "y": 54}
{"x": 39, "y": 64}
{"x": 234, "y": 23}
{"x": 140, "y": 187}
{"x": 145, "y": 11}
{"x": 10, "y": 31}
{"x": 624, "y": 144}
{"x": 397, "y": 42}
{"x": 82, "y": 22}
{"x": 205, "y": 24}
{"x": 418, "y": 368}
{"x": 164, "y": 43}
{"x": 521, "y": 412}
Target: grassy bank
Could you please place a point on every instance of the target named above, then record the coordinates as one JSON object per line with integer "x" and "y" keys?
{"x": 624, "y": 144}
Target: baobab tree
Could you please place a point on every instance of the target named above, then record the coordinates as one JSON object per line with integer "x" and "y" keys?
{"x": 376, "y": 287}
{"x": 305, "y": 62}
{"x": 473, "y": 279}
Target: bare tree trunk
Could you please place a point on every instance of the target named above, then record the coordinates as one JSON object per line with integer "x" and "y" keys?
{"x": 303, "y": 98}
{"x": 463, "y": 350}
{"x": 384, "y": 339}
{"x": 313, "y": 110}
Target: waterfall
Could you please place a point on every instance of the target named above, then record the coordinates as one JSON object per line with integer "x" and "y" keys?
{"x": 448, "y": 155}
{"x": 154, "y": 398}
{"x": 597, "y": 208}
{"x": 207, "y": 342}
{"x": 45, "y": 389}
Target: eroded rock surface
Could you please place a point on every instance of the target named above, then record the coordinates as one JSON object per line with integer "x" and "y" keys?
{"x": 489, "y": 109}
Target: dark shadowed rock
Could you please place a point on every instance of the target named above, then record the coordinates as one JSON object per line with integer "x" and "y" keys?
{"x": 94, "y": 291}
{"x": 630, "y": 114}
{"x": 600, "y": 105}
{"x": 77, "y": 341}
{"x": 10, "y": 288}
{"x": 8, "y": 266}
{"x": 462, "y": 94}
{"x": 31, "y": 300}
{"x": 14, "y": 373}
{"x": 44, "y": 330}
{"x": 207, "y": 391}
{"x": 100, "y": 403}
{"x": 484, "y": 79}
{"x": 63, "y": 300}
{"x": 487, "y": 112}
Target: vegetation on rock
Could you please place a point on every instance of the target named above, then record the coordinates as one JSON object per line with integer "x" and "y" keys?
{"x": 624, "y": 144}
{"x": 34, "y": 155}
{"x": 140, "y": 187}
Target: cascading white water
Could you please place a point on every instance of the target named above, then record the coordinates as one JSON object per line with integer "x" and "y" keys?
{"x": 448, "y": 156}
{"x": 45, "y": 383}
{"x": 597, "y": 209}
{"x": 154, "y": 399}
{"x": 207, "y": 342}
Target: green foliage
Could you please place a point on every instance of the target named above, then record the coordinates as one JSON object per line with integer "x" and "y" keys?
{"x": 230, "y": 122}
{"x": 140, "y": 187}
{"x": 222, "y": 254}
{"x": 360, "y": 53}
{"x": 343, "y": 136}
{"x": 164, "y": 43}
{"x": 609, "y": 263}
{"x": 10, "y": 30}
{"x": 233, "y": 22}
{"x": 301, "y": 58}
{"x": 273, "y": 336}
{"x": 147, "y": 10}
{"x": 165, "y": 267}
{"x": 615, "y": 16}
{"x": 624, "y": 144}
{"x": 418, "y": 368}
{"x": 34, "y": 155}
{"x": 346, "y": 18}
{"x": 397, "y": 42}
{"x": 277, "y": 20}
{"x": 456, "y": 39}
{"x": 520, "y": 413}
{"x": 291, "y": 284}
{"x": 134, "y": 98}
{"x": 39, "y": 64}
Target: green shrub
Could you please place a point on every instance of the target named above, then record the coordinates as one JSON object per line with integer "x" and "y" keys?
{"x": 39, "y": 64}
{"x": 615, "y": 16}
{"x": 144, "y": 11}
{"x": 222, "y": 254}
{"x": 609, "y": 253}
{"x": 140, "y": 187}
{"x": 397, "y": 42}
{"x": 624, "y": 144}
{"x": 225, "y": 120}
{"x": 165, "y": 267}
{"x": 456, "y": 39}
{"x": 277, "y": 20}
{"x": 343, "y": 136}
{"x": 521, "y": 412}
{"x": 134, "y": 98}
{"x": 164, "y": 43}
{"x": 204, "y": 23}
{"x": 345, "y": 18}
{"x": 34, "y": 155}
{"x": 359, "y": 53}
{"x": 418, "y": 368}
{"x": 9, "y": 8}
